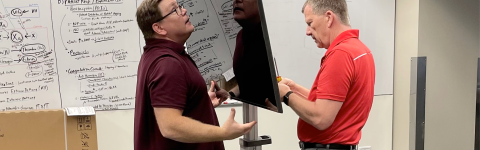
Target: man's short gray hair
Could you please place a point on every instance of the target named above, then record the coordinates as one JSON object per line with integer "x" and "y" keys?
{"x": 339, "y": 7}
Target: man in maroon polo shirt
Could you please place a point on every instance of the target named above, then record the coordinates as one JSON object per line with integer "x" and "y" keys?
{"x": 173, "y": 109}
{"x": 333, "y": 112}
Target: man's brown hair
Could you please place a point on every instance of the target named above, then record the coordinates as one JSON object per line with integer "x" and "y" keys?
{"x": 339, "y": 7}
{"x": 147, "y": 14}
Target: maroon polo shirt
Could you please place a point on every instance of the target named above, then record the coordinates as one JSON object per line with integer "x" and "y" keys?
{"x": 169, "y": 78}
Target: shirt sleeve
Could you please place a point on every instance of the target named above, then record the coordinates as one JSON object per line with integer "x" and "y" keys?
{"x": 168, "y": 84}
{"x": 336, "y": 78}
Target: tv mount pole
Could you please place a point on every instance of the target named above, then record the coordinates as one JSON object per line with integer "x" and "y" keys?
{"x": 251, "y": 140}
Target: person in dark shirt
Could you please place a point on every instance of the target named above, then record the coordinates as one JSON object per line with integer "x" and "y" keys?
{"x": 250, "y": 59}
{"x": 173, "y": 108}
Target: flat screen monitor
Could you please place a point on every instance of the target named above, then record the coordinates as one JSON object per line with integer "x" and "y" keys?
{"x": 230, "y": 45}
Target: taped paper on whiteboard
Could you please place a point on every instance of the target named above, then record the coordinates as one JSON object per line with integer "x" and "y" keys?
{"x": 229, "y": 74}
{"x": 80, "y": 111}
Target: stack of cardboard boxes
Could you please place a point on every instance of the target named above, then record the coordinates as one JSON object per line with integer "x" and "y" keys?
{"x": 47, "y": 130}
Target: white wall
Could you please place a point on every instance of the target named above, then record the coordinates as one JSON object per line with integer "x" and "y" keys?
{"x": 286, "y": 29}
{"x": 115, "y": 129}
{"x": 448, "y": 36}
{"x": 406, "y": 47}
{"x": 447, "y": 33}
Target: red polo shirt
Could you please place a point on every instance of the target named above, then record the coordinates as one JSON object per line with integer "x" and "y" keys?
{"x": 168, "y": 78}
{"x": 347, "y": 75}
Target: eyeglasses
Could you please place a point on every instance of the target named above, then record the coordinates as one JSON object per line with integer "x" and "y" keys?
{"x": 177, "y": 10}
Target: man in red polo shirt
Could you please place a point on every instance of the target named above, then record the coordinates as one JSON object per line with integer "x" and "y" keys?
{"x": 173, "y": 108}
{"x": 333, "y": 112}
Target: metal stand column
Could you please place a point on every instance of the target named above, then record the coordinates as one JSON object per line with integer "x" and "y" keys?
{"x": 251, "y": 140}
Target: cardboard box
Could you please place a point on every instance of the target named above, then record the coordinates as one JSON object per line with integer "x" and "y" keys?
{"x": 47, "y": 130}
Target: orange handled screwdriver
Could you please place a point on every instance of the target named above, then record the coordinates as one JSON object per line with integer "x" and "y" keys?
{"x": 279, "y": 78}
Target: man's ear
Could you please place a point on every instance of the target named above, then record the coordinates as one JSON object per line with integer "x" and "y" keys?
{"x": 329, "y": 16}
{"x": 159, "y": 29}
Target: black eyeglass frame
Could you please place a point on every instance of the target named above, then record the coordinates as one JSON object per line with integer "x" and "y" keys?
{"x": 174, "y": 10}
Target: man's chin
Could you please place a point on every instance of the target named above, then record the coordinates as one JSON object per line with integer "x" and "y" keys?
{"x": 239, "y": 16}
{"x": 319, "y": 45}
{"x": 190, "y": 29}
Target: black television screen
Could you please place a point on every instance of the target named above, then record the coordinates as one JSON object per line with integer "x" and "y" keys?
{"x": 231, "y": 37}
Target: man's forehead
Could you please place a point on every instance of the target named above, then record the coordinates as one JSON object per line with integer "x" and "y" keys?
{"x": 173, "y": 4}
{"x": 168, "y": 3}
{"x": 307, "y": 10}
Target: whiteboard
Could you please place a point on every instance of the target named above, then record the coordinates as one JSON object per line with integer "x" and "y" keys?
{"x": 26, "y": 38}
{"x": 297, "y": 56}
{"x": 63, "y": 53}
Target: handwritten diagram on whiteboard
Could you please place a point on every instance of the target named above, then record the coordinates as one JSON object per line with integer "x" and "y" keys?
{"x": 70, "y": 53}
{"x": 99, "y": 57}
{"x": 28, "y": 65}
{"x": 212, "y": 43}
{"x": 63, "y": 53}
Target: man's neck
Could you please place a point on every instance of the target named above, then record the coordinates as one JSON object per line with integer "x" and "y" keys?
{"x": 253, "y": 27}
{"x": 337, "y": 31}
{"x": 179, "y": 41}
{"x": 253, "y": 23}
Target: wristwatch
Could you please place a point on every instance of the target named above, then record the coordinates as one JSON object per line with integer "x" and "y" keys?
{"x": 232, "y": 95}
{"x": 285, "y": 98}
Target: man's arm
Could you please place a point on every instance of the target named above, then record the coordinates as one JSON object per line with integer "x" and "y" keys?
{"x": 302, "y": 91}
{"x": 183, "y": 129}
{"x": 298, "y": 89}
{"x": 168, "y": 90}
{"x": 319, "y": 114}
{"x": 333, "y": 85}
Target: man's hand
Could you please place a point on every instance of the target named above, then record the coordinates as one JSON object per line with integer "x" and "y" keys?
{"x": 233, "y": 130}
{"x": 216, "y": 94}
{"x": 173, "y": 125}
{"x": 297, "y": 89}
{"x": 270, "y": 106}
{"x": 289, "y": 83}
{"x": 283, "y": 89}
